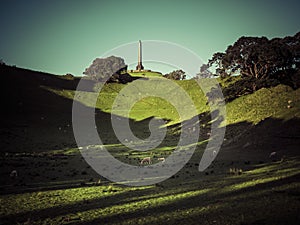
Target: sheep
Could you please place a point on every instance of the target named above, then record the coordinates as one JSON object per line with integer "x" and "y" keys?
{"x": 290, "y": 104}
{"x": 13, "y": 173}
{"x": 272, "y": 155}
{"x": 214, "y": 153}
{"x": 161, "y": 159}
{"x": 146, "y": 160}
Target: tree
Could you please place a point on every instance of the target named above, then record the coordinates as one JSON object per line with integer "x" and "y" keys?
{"x": 106, "y": 68}
{"x": 259, "y": 61}
{"x": 176, "y": 75}
{"x": 257, "y": 57}
{"x": 204, "y": 72}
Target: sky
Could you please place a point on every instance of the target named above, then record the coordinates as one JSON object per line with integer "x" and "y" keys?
{"x": 65, "y": 36}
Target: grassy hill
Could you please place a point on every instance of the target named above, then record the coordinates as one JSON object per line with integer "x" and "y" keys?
{"x": 265, "y": 103}
{"x": 56, "y": 186}
{"x": 148, "y": 74}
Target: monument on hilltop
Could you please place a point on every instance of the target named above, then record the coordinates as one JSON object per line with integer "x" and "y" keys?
{"x": 139, "y": 66}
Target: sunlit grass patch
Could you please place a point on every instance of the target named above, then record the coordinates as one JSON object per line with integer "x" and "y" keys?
{"x": 250, "y": 183}
{"x": 147, "y": 107}
{"x": 255, "y": 107}
{"x": 176, "y": 215}
{"x": 148, "y": 74}
{"x": 21, "y": 203}
{"x": 266, "y": 174}
{"x": 135, "y": 206}
{"x": 277, "y": 167}
{"x": 264, "y": 103}
{"x": 114, "y": 201}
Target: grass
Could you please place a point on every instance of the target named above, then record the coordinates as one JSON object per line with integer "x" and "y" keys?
{"x": 262, "y": 104}
{"x": 47, "y": 199}
{"x": 64, "y": 190}
{"x": 265, "y": 103}
{"x": 212, "y": 200}
{"x": 145, "y": 108}
{"x": 148, "y": 74}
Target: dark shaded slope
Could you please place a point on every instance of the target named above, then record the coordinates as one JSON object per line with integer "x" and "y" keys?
{"x": 24, "y": 90}
{"x": 33, "y": 118}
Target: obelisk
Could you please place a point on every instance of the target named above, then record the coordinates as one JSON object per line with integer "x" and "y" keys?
{"x": 139, "y": 66}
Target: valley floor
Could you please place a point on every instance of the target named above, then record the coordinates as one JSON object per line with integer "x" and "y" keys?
{"x": 60, "y": 188}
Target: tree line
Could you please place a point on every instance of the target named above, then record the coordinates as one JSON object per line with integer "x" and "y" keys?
{"x": 259, "y": 62}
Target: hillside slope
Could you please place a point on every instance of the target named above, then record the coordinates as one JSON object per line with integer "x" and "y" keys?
{"x": 55, "y": 185}
{"x": 38, "y": 104}
{"x": 30, "y": 113}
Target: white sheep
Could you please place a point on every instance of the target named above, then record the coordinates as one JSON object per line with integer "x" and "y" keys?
{"x": 214, "y": 153}
{"x": 146, "y": 160}
{"x": 13, "y": 173}
{"x": 161, "y": 159}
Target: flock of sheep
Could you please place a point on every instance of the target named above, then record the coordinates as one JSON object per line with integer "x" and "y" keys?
{"x": 148, "y": 160}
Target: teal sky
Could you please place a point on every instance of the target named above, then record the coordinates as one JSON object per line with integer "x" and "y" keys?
{"x": 65, "y": 36}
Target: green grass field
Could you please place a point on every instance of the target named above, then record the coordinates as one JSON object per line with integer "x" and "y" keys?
{"x": 148, "y": 74}
{"x": 270, "y": 191}
{"x": 56, "y": 186}
{"x": 252, "y": 108}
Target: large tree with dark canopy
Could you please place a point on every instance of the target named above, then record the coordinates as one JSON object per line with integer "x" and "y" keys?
{"x": 259, "y": 61}
{"x": 109, "y": 68}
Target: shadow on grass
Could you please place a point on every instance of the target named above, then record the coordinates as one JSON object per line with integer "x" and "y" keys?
{"x": 23, "y": 118}
{"x": 216, "y": 195}
{"x": 202, "y": 201}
